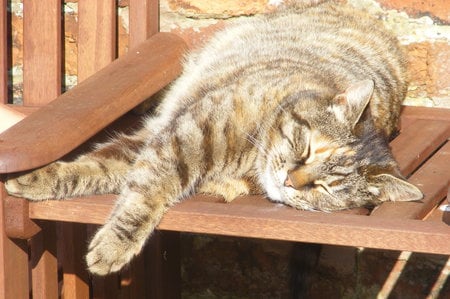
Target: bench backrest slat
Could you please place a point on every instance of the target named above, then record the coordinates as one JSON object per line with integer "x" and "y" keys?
{"x": 96, "y": 35}
{"x": 42, "y": 46}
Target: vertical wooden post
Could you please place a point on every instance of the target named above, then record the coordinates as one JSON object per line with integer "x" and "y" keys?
{"x": 41, "y": 51}
{"x": 163, "y": 263}
{"x": 14, "y": 271}
{"x": 96, "y": 36}
{"x": 44, "y": 263}
{"x": 144, "y": 20}
{"x": 73, "y": 246}
{"x": 96, "y": 49}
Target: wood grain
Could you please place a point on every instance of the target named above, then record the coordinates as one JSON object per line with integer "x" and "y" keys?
{"x": 412, "y": 113}
{"x": 256, "y": 217}
{"x": 417, "y": 141}
{"x": 96, "y": 36}
{"x": 432, "y": 179}
{"x": 73, "y": 240}
{"x": 144, "y": 21}
{"x": 41, "y": 51}
{"x": 13, "y": 259}
{"x": 44, "y": 263}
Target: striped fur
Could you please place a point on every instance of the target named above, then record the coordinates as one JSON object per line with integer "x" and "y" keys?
{"x": 294, "y": 104}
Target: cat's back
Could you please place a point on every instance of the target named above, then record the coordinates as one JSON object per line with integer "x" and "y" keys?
{"x": 326, "y": 46}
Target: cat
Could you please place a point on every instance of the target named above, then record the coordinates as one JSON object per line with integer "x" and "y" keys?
{"x": 296, "y": 104}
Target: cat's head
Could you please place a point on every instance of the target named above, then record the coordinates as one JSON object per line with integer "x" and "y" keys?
{"x": 323, "y": 153}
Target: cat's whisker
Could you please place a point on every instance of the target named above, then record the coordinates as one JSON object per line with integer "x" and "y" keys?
{"x": 256, "y": 143}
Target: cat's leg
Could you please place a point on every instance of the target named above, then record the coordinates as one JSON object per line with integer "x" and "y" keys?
{"x": 153, "y": 185}
{"x": 229, "y": 188}
{"x": 101, "y": 171}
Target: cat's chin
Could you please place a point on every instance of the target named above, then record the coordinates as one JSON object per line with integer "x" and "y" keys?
{"x": 273, "y": 190}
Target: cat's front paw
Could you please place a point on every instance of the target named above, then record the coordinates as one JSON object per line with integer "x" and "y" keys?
{"x": 108, "y": 253}
{"x": 36, "y": 185}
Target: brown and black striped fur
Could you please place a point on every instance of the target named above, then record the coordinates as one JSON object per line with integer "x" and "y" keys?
{"x": 294, "y": 105}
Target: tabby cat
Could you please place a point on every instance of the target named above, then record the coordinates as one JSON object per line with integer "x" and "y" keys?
{"x": 295, "y": 105}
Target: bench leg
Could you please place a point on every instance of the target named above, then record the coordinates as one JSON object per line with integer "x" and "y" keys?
{"x": 72, "y": 246}
{"x": 44, "y": 263}
{"x": 14, "y": 271}
{"x": 163, "y": 264}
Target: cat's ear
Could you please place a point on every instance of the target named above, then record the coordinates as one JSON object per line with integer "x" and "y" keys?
{"x": 390, "y": 188}
{"x": 350, "y": 105}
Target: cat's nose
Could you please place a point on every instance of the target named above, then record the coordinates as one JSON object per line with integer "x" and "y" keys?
{"x": 288, "y": 182}
{"x": 298, "y": 178}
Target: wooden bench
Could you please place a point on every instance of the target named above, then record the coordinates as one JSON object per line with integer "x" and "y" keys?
{"x": 42, "y": 244}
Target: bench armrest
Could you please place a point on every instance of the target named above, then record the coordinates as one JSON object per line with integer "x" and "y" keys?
{"x": 80, "y": 113}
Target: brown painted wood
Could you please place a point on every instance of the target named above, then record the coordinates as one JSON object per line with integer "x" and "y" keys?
{"x": 73, "y": 246}
{"x": 105, "y": 287}
{"x": 256, "y": 217}
{"x": 417, "y": 141}
{"x": 133, "y": 279}
{"x": 74, "y": 210}
{"x": 144, "y": 20}
{"x": 3, "y": 53}
{"x": 413, "y": 113}
{"x": 96, "y": 48}
{"x": 432, "y": 178}
{"x": 44, "y": 263}
{"x": 125, "y": 83}
{"x": 13, "y": 259}
{"x": 163, "y": 257}
{"x": 96, "y": 36}
{"x": 259, "y": 219}
{"x": 41, "y": 51}
{"x": 17, "y": 222}
{"x": 23, "y": 109}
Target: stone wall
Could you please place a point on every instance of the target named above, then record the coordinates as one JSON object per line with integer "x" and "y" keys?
{"x": 221, "y": 267}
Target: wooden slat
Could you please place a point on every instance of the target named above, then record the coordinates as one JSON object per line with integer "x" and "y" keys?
{"x": 96, "y": 49}
{"x": 24, "y": 110}
{"x": 41, "y": 51}
{"x": 96, "y": 36}
{"x": 432, "y": 178}
{"x": 74, "y": 210}
{"x": 417, "y": 141}
{"x": 92, "y": 105}
{"x": 163, "y": 262}
{"x": 266, "y": 220}
{"x": 412, "y": 113}
{"x": 3, "y": 53}
{"x": 105, "y": 287}
{"x": 13, "y": 259}
{"x": 44, "y": 263}
{"x": 75, "y": 276}
{"x": 256, "y": 217}
{"x": 439, "y": 214}
{"x": 144, "y": 20}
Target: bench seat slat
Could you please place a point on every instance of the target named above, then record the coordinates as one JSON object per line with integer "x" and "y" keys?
{"x": 254, "y": 216}
{"x": 417, "y": 141}
{"x": 432, "y": 179}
